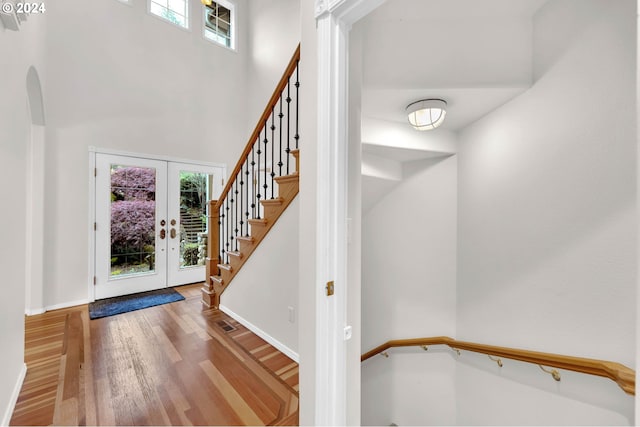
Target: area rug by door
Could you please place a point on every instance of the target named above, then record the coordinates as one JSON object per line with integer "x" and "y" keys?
{"x": 126, "y": 303}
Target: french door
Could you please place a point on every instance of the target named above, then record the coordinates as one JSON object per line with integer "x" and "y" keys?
{"x": 151, "y": 223}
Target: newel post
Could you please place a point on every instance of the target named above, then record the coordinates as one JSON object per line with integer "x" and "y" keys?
{"x": 213, "y": 253}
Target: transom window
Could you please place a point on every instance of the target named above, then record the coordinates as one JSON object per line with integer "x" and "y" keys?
{"x": 218, "y": 23}
{"x": 175, "y": 11}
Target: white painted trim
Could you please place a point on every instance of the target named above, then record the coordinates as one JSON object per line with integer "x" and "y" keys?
{"x": 6, "y": 419}
{"x": 34, "y": 212}
{"x": 34, "y": 311}
{"x": 262, "y": 334}
{"x": 91, "y": 289}
{"x": 66, "y": 305}
{"x": 333, "y": 22}
{"x": 330, "y": 376}
{"x": 156, "y": 157}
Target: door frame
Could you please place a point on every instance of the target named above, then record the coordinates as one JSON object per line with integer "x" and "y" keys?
{"x": 92, "y": 199}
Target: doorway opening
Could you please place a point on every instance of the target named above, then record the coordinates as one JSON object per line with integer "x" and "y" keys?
{"x": 150, "y": 222}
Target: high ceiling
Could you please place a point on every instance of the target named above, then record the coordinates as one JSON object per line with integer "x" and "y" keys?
{"x": 475, "y": 54}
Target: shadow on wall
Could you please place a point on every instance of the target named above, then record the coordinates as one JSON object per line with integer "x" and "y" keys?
{"x": 34, "y": 92}
{"x": 575, "y": 399}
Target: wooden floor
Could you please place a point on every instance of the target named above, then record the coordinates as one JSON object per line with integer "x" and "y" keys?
{"x": 174, "y": 364}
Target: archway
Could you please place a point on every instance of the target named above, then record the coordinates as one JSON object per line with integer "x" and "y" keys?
{"x": 34, "y": 298}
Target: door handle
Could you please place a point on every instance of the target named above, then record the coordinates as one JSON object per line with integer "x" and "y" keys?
{"x": 172, "y": 233}
{"x": 163, "y": 233}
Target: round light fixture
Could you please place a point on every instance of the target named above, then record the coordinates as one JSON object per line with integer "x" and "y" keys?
{"x": 426, "y": 114}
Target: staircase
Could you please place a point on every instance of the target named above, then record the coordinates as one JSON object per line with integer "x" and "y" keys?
{"x": 263, "y": 183}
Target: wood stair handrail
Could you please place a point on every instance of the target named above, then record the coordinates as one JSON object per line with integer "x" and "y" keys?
{"x": 625, "y": 377}
{"x": 284, "y": 80}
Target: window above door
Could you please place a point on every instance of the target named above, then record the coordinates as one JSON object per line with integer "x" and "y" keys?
{"x": 219, "y": 23}
{"x": 174, "y": 11}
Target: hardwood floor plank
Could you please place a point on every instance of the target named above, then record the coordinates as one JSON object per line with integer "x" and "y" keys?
{"x": 209, "y": 400}
{"x": 179, "y": 402}
{"x": 166, "y": 344}
{"x": 286, "y": 368}
{"x": 259, "y": 349}
{"x": 167, "y": 365}
{"x": 289, "y": 373}
{"x": 277, "y": 362}
{"x": 238, "y": 404}
{"x": 104, "y": 409}
{"x": 265, "y": 403}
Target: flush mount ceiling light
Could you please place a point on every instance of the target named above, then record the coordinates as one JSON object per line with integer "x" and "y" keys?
{"x": 426, "y": 114}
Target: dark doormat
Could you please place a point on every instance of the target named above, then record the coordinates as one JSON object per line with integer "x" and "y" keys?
{"x": 117, "y": 305}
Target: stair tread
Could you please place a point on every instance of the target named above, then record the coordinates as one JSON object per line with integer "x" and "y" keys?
{"x": 235, "y": 253}
{"x": 245, "y": 238}
{"x": 225, "y": 267}
{"x": 256, "y": 221}
{"x": 286, "y": 178}
{"x": 277, "y": 201}
{"x": 217, "y": 279}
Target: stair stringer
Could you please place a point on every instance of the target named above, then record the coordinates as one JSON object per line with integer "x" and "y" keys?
{"x": 288, "y": 187}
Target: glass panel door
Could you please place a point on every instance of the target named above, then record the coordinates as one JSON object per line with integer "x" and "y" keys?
{"x": 151, "y": 223}
{"x": 131, "y": 208}
{"x": 190, "y": 189}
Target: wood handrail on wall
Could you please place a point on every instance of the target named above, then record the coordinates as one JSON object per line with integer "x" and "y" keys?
{"x": 625, "y": 377}
{"x": 282, "y": 84}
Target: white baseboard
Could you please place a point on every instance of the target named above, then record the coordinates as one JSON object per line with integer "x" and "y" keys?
{"x": 262, "y": 334}
{"x": 33, "y": 312}
{"x": 66, "y": 305}
{"x": 6, "y": 419}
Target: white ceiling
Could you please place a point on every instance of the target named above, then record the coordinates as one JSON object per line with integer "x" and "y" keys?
{"x": 464, "y": 106}
{"x": 475, "y": 54}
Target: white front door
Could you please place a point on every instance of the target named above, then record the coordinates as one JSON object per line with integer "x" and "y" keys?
{"x": 190, "y": 188}
{"x": 150, "y": 223}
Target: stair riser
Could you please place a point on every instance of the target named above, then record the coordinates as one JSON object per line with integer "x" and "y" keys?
{"x": 272, "y": 211}
{"x": 288, "y": 189}
{"x": 235, "y": 262}
{"x": 226, "y": 275}
{"x": 245, "y": 246}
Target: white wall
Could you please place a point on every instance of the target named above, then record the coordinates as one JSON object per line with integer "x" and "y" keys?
{"x": 273, "y": 37}
{"x": 409, "y": 259}
{"x": 122, "y": 79}
{"x": 548, "y": 221}
{"x": 267, "y": 285}
{"x": 20, "y": 50}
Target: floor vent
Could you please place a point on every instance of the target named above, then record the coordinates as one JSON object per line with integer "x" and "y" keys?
{"x": 226, "y": 326}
